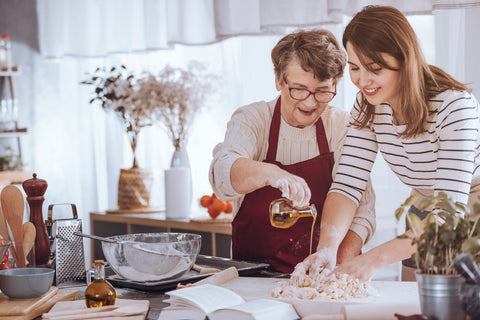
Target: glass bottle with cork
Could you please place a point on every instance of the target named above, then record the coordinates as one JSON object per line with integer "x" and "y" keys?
{"x": 284, "y": 215}
{"x": 99, "y": 292}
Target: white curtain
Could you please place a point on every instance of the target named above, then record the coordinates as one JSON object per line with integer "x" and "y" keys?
{"x": 79, "y": 149}
{"x": 91, "y": 28}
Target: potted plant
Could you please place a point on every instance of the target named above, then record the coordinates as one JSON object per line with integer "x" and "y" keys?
{"x": 115, "y": 90}
{"x": 177, "y": 95}
{"x": 170, "y": 98}
{"x": 447, "y": 231}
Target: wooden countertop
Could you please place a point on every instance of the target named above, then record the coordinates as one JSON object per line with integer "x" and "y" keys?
{"x": 159, "y": 219}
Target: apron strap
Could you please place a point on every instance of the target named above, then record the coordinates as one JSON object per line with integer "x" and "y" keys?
{"x": 321, "y": 137}
{"x": 275, "y": 130}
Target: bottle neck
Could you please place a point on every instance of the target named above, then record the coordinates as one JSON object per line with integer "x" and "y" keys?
{"x": 309, "y": 211}
{"x": 99, "y": 272}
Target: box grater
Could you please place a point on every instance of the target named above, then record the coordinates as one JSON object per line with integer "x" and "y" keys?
{"x": 66, "y": 249}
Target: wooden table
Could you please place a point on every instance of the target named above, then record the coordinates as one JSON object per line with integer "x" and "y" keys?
{"x": 156, "y": 298}
{"x": 216, "y": 237}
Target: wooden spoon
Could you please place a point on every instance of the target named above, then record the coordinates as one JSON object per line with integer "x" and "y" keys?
{"x": 13, "y": 206}
{"x": 3, "y": 227}
{"x": 6, "y": 235}
{"x": 29, "y": 235}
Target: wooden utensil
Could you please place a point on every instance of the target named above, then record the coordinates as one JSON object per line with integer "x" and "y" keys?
{"x": 3, "y": 227}
{"x": 29, "y": 234}
{"x": 13, "y": 206}
{"x": 6, "y": 235}
{"x": 204, "y": 270}
{"x": 11, "y": 309}
{"x": 126, "y": 310}
{"x": 77, "y": 309}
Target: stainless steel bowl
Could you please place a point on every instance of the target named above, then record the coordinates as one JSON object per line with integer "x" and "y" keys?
{"x": 152, "y": 256}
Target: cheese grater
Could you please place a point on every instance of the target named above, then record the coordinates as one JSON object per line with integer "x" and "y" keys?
{"x": 66, "y": 249}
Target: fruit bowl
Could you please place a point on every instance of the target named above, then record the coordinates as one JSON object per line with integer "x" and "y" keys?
{"x": 152, "y": 256}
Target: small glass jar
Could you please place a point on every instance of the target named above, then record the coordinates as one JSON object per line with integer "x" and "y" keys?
{"x": 99, "y": 292}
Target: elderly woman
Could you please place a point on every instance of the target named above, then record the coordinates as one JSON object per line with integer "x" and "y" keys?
{"x": 288, "y": 147}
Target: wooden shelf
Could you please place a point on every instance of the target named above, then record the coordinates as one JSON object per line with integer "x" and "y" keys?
{"x": 18, "y": 132}
{"x": 216, "y": 237}
{"x": 14, "y": 133}
{"x": 15, "y": 177}
{"x": 8, "y": 73}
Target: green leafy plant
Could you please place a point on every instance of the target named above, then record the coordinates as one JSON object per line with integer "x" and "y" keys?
{"x": 447, "y": 230}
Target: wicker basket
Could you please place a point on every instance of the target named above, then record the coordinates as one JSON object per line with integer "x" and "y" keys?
{"x": 135, "y": 188}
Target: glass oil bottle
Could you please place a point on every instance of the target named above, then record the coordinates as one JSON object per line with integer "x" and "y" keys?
{"x": 99, "y": 292}
{"x": 284, "y": 215}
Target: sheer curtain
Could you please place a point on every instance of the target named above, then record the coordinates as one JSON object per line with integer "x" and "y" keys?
{"x": 79, "y": 149}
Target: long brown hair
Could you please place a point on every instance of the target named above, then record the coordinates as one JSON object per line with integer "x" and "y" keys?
{"x": 383, "y": 29}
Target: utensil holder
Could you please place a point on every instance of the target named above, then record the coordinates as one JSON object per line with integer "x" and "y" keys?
{"x": 66, "y": 249}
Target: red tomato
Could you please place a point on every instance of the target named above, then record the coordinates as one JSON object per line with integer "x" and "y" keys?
{"x": 5, "y": 266}
{"x": 5, "y": 257}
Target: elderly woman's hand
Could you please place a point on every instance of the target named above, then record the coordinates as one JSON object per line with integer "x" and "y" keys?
{"x": 292, "y": 187}
{"x": 324, "y": 258}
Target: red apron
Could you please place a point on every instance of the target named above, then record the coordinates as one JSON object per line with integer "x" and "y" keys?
{"x": 253, "y": 237}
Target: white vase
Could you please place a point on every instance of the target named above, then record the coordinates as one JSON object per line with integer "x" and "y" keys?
{"x": 180, "y": 159}
{"x": 178, "y": 187}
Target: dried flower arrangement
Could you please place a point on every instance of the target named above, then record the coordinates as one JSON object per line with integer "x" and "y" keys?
{"x": 175, "y": 96}
{"x": 170, "y": 98}
{"x": 447, "y": 231}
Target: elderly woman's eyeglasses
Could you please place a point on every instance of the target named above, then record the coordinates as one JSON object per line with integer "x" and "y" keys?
{"x": 301, "y": 94}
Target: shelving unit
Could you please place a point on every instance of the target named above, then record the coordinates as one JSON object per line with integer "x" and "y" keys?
{"x": 13, "y": 176}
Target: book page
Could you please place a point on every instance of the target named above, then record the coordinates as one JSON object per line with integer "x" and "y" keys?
{"x": 206, "y": 297}
{"x": 257, "y": 309}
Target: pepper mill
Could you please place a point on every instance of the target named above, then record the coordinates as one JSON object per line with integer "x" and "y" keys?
{"x": 35, "y": 189}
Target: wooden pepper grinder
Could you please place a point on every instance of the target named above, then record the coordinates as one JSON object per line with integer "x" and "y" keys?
{"x": 35, "y": 189}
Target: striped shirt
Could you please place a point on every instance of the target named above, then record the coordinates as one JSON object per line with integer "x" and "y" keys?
{"x": 444, "y": 158}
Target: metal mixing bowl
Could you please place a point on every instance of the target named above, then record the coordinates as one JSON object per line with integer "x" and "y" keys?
{"x": 152, "y": 256}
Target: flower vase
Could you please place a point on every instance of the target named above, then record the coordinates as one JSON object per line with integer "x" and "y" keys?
{"x": 135, "y": 188}
{"x": 178, "y": 186}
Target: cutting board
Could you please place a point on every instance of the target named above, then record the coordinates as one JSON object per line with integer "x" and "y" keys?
{"x": 79, "y": 305}
{"x": 27, "y": 309}
{"x": 401, "y": 297}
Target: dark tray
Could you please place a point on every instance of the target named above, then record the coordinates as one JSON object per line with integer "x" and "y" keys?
{"x": 244, "y": 268}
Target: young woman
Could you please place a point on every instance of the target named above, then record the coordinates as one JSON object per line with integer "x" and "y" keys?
{"x": 425, "y": 124}
{"x": 288, "y": 147}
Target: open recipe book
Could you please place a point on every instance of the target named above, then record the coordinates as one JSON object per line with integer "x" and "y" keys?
{"x": 216, "y": 303}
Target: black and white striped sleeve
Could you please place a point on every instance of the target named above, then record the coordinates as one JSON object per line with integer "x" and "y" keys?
{"x": 356, "y": 161}
{"x": 457, "y": 126}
